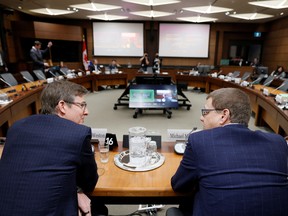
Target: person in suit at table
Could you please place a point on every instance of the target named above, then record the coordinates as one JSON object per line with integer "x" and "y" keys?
{"x": 36, "y": 55}
{"x": 94, "y": 66}
{"x": 46, "y": 157}
{"x": 237, "y": 171}
{"x": 114, "y": 66}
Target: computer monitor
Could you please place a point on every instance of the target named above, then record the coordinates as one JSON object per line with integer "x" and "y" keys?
{"x": 153, "y": 80}
{"x": 262, "y": 70}
{"x": 153, "y": 96}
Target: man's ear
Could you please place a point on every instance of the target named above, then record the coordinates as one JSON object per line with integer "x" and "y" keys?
{"x": 225, "y": 118}
{"x": 61, "y": 107}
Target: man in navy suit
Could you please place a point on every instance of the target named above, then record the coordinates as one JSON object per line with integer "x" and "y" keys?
{"x": 47, "y": 157}
{"x": 36, "y": 55}
{"x": 236, "y": 171}
{"x": 94, "y": 66}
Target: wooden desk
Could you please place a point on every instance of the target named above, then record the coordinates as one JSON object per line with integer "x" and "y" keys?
{"x": 110, "y": 79}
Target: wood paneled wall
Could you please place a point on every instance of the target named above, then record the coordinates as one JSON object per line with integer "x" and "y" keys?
{"x": 275, "y": 50}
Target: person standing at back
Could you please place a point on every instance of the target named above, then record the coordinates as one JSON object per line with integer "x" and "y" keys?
{"x": 47, "y": 156}
{"x": 144, "y": 62}
{"x": 37, "y": 54}
{"x": 237, "y": 171}
{"x": 3, "y": 65}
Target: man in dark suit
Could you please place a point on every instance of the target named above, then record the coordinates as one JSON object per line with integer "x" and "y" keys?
{"x": 237, "y": 171}
{"x": 47, "y": 157}
{"x": 94, "y": 66}
{"x": 36, "y": 55}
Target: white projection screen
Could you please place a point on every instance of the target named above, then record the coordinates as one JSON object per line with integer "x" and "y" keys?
{"x": 118, "y": 39}
{"x": 184, "y": 40}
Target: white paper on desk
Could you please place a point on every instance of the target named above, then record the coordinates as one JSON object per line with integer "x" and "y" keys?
{"x": 178, "y": 134}
{"x": 99, "y": 133}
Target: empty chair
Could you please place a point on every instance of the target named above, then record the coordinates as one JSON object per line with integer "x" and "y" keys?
{"x": 9, "y": 79}
{"x": 268, "y": 81}
{"x": 64, "y": 70}
{"x": 39, "y": 74}
{"x": 284, "y": 86}
{"x": 235, "y": 74}
{"x": 258, "y": 80}
{"x": 245, "y": 76}
{"x": 27, "y": 76}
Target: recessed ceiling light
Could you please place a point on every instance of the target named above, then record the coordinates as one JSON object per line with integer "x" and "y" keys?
{"x": 152, "y": 2}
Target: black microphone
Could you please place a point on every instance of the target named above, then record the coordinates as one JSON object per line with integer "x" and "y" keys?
{"x": 30, "y": 81}
{"x": 13, "y": 88}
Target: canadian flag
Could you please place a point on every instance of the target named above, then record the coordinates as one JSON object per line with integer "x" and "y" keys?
{"x": 84, "y": 54}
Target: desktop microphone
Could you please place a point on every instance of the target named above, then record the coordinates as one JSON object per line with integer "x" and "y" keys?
{"x": 277, "y": 89}
{"x": 180, "y": 147}
{"x": 30, "y": 81}
{"x": 13, "y": 88}
{"x": 255, "y": 81}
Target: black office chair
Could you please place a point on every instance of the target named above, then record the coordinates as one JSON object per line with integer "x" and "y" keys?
{"x": 27, "y": 76}
{"x": 9, "y": 79}
{"x": 245, "y": 76}
{"x": 39, "y": 74}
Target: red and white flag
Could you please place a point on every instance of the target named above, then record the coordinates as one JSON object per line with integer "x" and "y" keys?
{"x": 84, "y": 54}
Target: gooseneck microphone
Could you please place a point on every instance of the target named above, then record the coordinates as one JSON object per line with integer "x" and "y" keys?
{"x": 30, "y": 81}
{"x": 271, "y": 93}
{"x": 13, "y": 88}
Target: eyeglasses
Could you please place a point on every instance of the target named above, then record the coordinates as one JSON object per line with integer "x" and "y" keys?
{"x": 207, "y": 111}
{"x": 82, "y": 105}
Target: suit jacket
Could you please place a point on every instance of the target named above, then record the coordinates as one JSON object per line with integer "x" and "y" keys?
{"x": 93, "y": 67}
{"x": 37, "y": 57}
{"x": 45, "y": 158}
{"x": 239, "y": 172}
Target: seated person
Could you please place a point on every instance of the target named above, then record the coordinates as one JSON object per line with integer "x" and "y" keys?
{"x": 113, "y": 67}
{"x": 94, "y": 66}
{"x": 231, "y": 169}
{"x": 156, "y": 63}
{"x": 279, "y": 72}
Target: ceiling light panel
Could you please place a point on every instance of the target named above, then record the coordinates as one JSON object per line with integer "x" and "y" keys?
{"x": 51, "y": 12}
{"x": 95, "y": 6}
{"x": 251, "y": 16}
{"x": 208, "y": 9}
{"x": 107, "y": 17}
{"x": 277, "y": 4}
{"x": 152, "y": 2}
{"x": 151, "y": 13}
{"x": 197, "y": 19}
